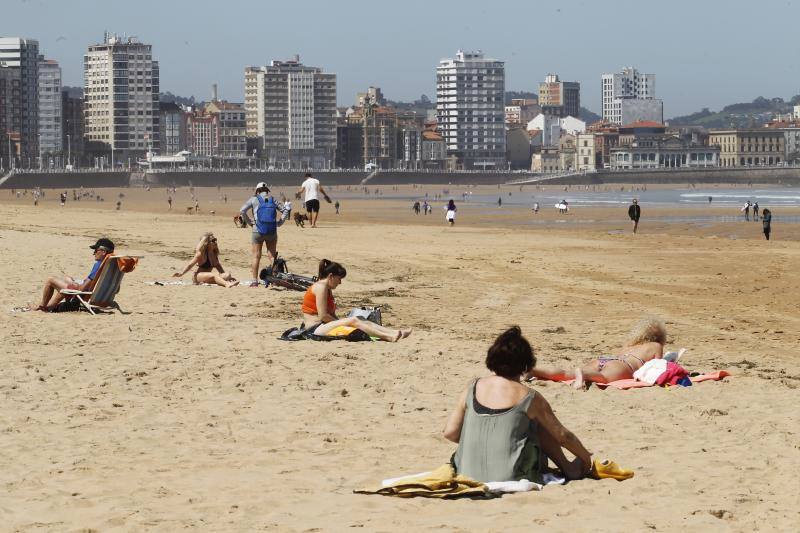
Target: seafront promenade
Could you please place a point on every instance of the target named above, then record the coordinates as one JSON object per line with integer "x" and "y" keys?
{"x": 235, "y": 177}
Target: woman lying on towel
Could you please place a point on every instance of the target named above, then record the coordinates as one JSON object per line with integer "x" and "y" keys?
{"x": 206, "y": 257}
{"x": 319, "y": 308}
{"x": 646, "y": 342}
{"x": 506, "y": 431}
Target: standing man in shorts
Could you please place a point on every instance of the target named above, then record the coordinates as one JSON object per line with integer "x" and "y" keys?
{"x": 312, "y": 190}
{"x": 265, "y": 224}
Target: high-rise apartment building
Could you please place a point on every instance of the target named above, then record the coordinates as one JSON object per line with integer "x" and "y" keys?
{"x": 560, "y": 98}
{"x": 469, "y": 109}
{"x": 121, "y": 91}
{"x": 630, "y": 96}
{"x": 49, "y": 106}
{"x": 19, "y": 100}
{"x": 292, "y": 108}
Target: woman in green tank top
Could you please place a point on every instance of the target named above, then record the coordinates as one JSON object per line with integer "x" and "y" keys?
{"x": 505, "y": 431}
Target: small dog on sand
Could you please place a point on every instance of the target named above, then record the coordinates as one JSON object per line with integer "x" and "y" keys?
{"x": 300, "y": 219}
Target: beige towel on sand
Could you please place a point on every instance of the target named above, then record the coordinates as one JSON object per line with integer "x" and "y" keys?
{"x": 440, "y": 483}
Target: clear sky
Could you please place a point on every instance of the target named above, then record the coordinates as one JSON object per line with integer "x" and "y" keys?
{"x": 705, "y": 53}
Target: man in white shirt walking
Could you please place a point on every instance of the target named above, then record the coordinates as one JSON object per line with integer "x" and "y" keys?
{"x": 312, "y": 189}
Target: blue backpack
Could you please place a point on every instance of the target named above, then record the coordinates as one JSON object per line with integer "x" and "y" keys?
{"x": 265, "y": 216}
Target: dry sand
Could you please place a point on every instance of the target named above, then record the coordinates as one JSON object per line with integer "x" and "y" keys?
{"x": 188, "y": 413}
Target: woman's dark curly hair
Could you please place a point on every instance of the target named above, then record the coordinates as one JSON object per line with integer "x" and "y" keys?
{"x": 511, "y": 354}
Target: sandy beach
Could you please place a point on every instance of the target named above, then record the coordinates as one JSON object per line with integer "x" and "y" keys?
{"x": 187, "y": 413}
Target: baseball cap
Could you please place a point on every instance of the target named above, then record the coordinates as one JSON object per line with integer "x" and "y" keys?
{"x": 262, "y": 185}
{"x": 104, "y": 243}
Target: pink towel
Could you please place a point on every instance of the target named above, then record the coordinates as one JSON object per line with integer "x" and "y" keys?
{"x": 623, "y": 384}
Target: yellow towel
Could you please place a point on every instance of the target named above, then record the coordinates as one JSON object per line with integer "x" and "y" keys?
{"x": 609, "y": 469}
{"x": 440, "y": 483}
{"x": 340, "y": 331}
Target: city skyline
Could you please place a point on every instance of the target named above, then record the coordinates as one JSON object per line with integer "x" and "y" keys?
{"x": 700, "y": 53}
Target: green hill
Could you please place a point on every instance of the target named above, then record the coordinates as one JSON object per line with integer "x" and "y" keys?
{"x": 741, "y": 115}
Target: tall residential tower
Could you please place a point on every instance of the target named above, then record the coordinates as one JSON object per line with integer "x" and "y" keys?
{"x": 49, "y": 106}
{"x": 470, "y": 110}
{"x": 630, "y": 96}
{"x": 291, "y": 108}
{"x": 121, "y": 89}
{"x": 19, "y": 101}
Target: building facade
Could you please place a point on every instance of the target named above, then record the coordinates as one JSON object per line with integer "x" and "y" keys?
{"x": 586, "y": 155}
{"x": 19, "y": 100}
{"x": 172, "y": 128}
{"x": 663, "y": 151}
{"x": 630, "y": 92}
{"x": 121, "y": 91}
{"x": 232, "y": 129}
{"x": 373, "y": 95}
{"x": 380, "y": 136}
{"x": 50, "y": 114}
{"x": 72, "y": 130}
{"x": 752, "y": 147}
{"x": 202, "y": 133}
{"x": 560, "y": 98}
{"x": 292, "y": 109}
{"x": 470, "y": 111}
{"x": 521, "y": 111}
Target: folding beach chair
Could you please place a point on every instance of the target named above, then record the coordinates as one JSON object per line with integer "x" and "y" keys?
{"x": 106, "y": 284}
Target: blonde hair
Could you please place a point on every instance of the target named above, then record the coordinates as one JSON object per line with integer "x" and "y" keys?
{"x": 648, "y": 329}
{"x": 202, "y": 245}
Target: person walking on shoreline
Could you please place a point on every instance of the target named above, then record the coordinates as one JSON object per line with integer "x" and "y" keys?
{"x": 746, "y": 210}
{"x": 634, "y": 212}
{"x": 755, "y": 212}
{"x": 451, "y": 212}
{"x": 766, "y": 221}
{"x": 312, "y": 189}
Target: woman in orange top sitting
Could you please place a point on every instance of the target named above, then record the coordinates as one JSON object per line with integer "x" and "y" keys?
{"x": 319, "y": 307}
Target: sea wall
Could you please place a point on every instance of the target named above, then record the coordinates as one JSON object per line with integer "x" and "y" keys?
{"x": 66, "y": 180}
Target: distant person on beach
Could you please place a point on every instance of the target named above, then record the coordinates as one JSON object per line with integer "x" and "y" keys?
{"x": 63, "y": 198}
{"x": 265, "y": 224}
{"x": 206, "y": 258}
{"x": 634, "y": 212}
{"x": 451, "y": 212}
{"x": 336, "y": 206}
{"x": 51, "y": 295}
{"x": 425, "y": 206}
{"x": 196, "y": 207}
{"x": 415, "y": 208}
{"x": 319, "y": 307}
{"x": 755, "y": 212}
{"x": 169, "y": 201}
{"x": 499, "y": 201}
{"x": 709, "y": 199}
{"x": 766, "y": 221}
{"x": 646, "y": 342}
{"x": 312, "y": 189}
{"x": 746, "y": 210}
{"x": 505, "y": 430}
{"x": 536, "y": 208}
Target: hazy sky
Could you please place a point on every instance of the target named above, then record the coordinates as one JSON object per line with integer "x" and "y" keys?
{"x": 705, "y": 53}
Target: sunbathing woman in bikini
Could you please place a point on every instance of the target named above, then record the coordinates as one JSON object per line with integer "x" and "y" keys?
{"x": 319, "y": 307}
{"x": 646, "y": 342}
{"x": 206, "y": 257}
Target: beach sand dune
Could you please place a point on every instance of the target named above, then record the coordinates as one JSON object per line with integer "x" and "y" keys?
{"x": 186, "y": 412}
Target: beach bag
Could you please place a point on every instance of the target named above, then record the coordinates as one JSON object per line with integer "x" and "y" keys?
{"x": 265, "y": 216}
{"x": 373, "y": 314}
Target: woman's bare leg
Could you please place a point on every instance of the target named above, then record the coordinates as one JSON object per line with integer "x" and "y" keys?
{"x": 552, "y": 449}
{"x": 211, "y": 278}
{"x": 370, "y": 328}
